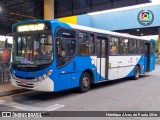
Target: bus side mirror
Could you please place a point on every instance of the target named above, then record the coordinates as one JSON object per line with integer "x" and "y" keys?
{"x": 73, "y": 44}
{"x": 42, "y": 41}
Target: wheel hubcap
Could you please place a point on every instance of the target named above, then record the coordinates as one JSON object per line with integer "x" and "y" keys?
{"x": 85, "y": 82}
{"x": 137, "y": 73}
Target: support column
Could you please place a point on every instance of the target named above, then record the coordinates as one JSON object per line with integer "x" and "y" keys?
{"x": 48, "y": 9}
{"x": 159, "y": 44}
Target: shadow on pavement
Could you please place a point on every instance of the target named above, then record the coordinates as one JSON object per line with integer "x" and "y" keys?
{"x": 35, "y": 96}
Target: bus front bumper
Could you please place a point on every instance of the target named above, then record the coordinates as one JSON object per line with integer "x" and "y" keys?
{"x": 46, "y": 85}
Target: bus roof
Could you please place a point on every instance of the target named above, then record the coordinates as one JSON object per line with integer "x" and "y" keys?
{"x": 104, "y": 31}
{"x": 63, "y": 24}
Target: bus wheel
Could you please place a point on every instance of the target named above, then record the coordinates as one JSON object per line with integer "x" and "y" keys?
{"x": 136, "y": 73}
{"x": 85, "y": 82}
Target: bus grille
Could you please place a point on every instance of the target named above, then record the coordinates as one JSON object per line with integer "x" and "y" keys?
{"x": 29, "y": 78}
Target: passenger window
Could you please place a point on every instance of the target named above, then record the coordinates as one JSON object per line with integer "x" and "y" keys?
{"x": 87, "y": 46}
{"x": 138, "y": 47}
{"x": 114, "y": 45}
{"x": 142, "y": 47}
{"x": 91, "y": 44}
{"x": 132, "y": 46}
{"x": 124, "y": 46}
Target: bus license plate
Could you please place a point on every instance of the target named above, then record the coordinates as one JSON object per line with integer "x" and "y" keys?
{"x": 23, "y": 83}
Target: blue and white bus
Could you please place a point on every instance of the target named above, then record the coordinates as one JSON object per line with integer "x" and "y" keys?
{"x": 49, "y": 55}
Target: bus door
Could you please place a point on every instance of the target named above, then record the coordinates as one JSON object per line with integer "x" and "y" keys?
{"x": 147, "y": 57}
{"x": 152, "y": 56}
{"x": 102, "y": 58}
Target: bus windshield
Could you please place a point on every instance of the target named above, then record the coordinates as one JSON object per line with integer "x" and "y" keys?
{"x": 32, "y": 49}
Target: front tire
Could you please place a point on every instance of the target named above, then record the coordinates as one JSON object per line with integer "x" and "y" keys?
{"x": 85, "y": 82}
{"x": 136, "y": 73}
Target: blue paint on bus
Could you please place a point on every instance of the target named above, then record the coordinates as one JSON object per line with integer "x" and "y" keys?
{"x": 69, "y": 75}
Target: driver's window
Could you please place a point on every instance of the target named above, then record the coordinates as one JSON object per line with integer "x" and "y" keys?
{"x": 66, "y": 44}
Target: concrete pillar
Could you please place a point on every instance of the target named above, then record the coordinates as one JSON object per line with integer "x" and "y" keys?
{"x": 159, "y": 44}
{"x": 48, "y": 9}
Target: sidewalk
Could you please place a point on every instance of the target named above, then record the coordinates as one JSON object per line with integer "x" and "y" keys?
{"x": 157, "y": 62}
{"x": 8, "y": 89}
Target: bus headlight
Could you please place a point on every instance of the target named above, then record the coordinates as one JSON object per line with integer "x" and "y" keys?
{"x": 47, "y": 74}
{"x": 13, "y": 76}
{"x": 39, "y": 78}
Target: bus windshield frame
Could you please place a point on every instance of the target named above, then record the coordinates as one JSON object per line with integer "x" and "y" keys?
{"x": 32, "y": 50}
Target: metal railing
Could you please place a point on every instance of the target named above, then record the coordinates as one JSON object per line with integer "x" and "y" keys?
{"x": 4, "y": 73}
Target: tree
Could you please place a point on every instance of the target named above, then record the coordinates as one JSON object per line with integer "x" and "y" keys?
{"x": 157, "y": 46}
{"x": 2, "y": 44}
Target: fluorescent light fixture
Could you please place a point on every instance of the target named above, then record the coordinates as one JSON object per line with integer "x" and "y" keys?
{"x": 0, "y": 9}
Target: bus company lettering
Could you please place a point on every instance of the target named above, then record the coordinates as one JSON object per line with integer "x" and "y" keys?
{"x": 23, "y": 66}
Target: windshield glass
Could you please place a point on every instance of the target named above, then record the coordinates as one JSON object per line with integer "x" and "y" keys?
{"x": 33, "y": 49}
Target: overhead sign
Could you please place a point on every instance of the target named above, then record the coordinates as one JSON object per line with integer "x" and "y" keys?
{"x": 145, "y": 18}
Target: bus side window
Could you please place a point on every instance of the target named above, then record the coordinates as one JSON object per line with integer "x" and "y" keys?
{"x": 142, "y": 47}
{"x": 132, "y": 47}
{"x": 91, "y": 44}
{"x": 83, "y": 43}
{"x": 83, "y": 49}
{"x": 87, "y": 46}
{"x": 139, "y": 47}
{"x": 124, "y": 46}
{"x": 114, "y": 45}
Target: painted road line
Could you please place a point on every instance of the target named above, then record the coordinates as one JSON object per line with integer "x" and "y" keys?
{"x": 30, "y": 108}
{"x": 53, "y": 107}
